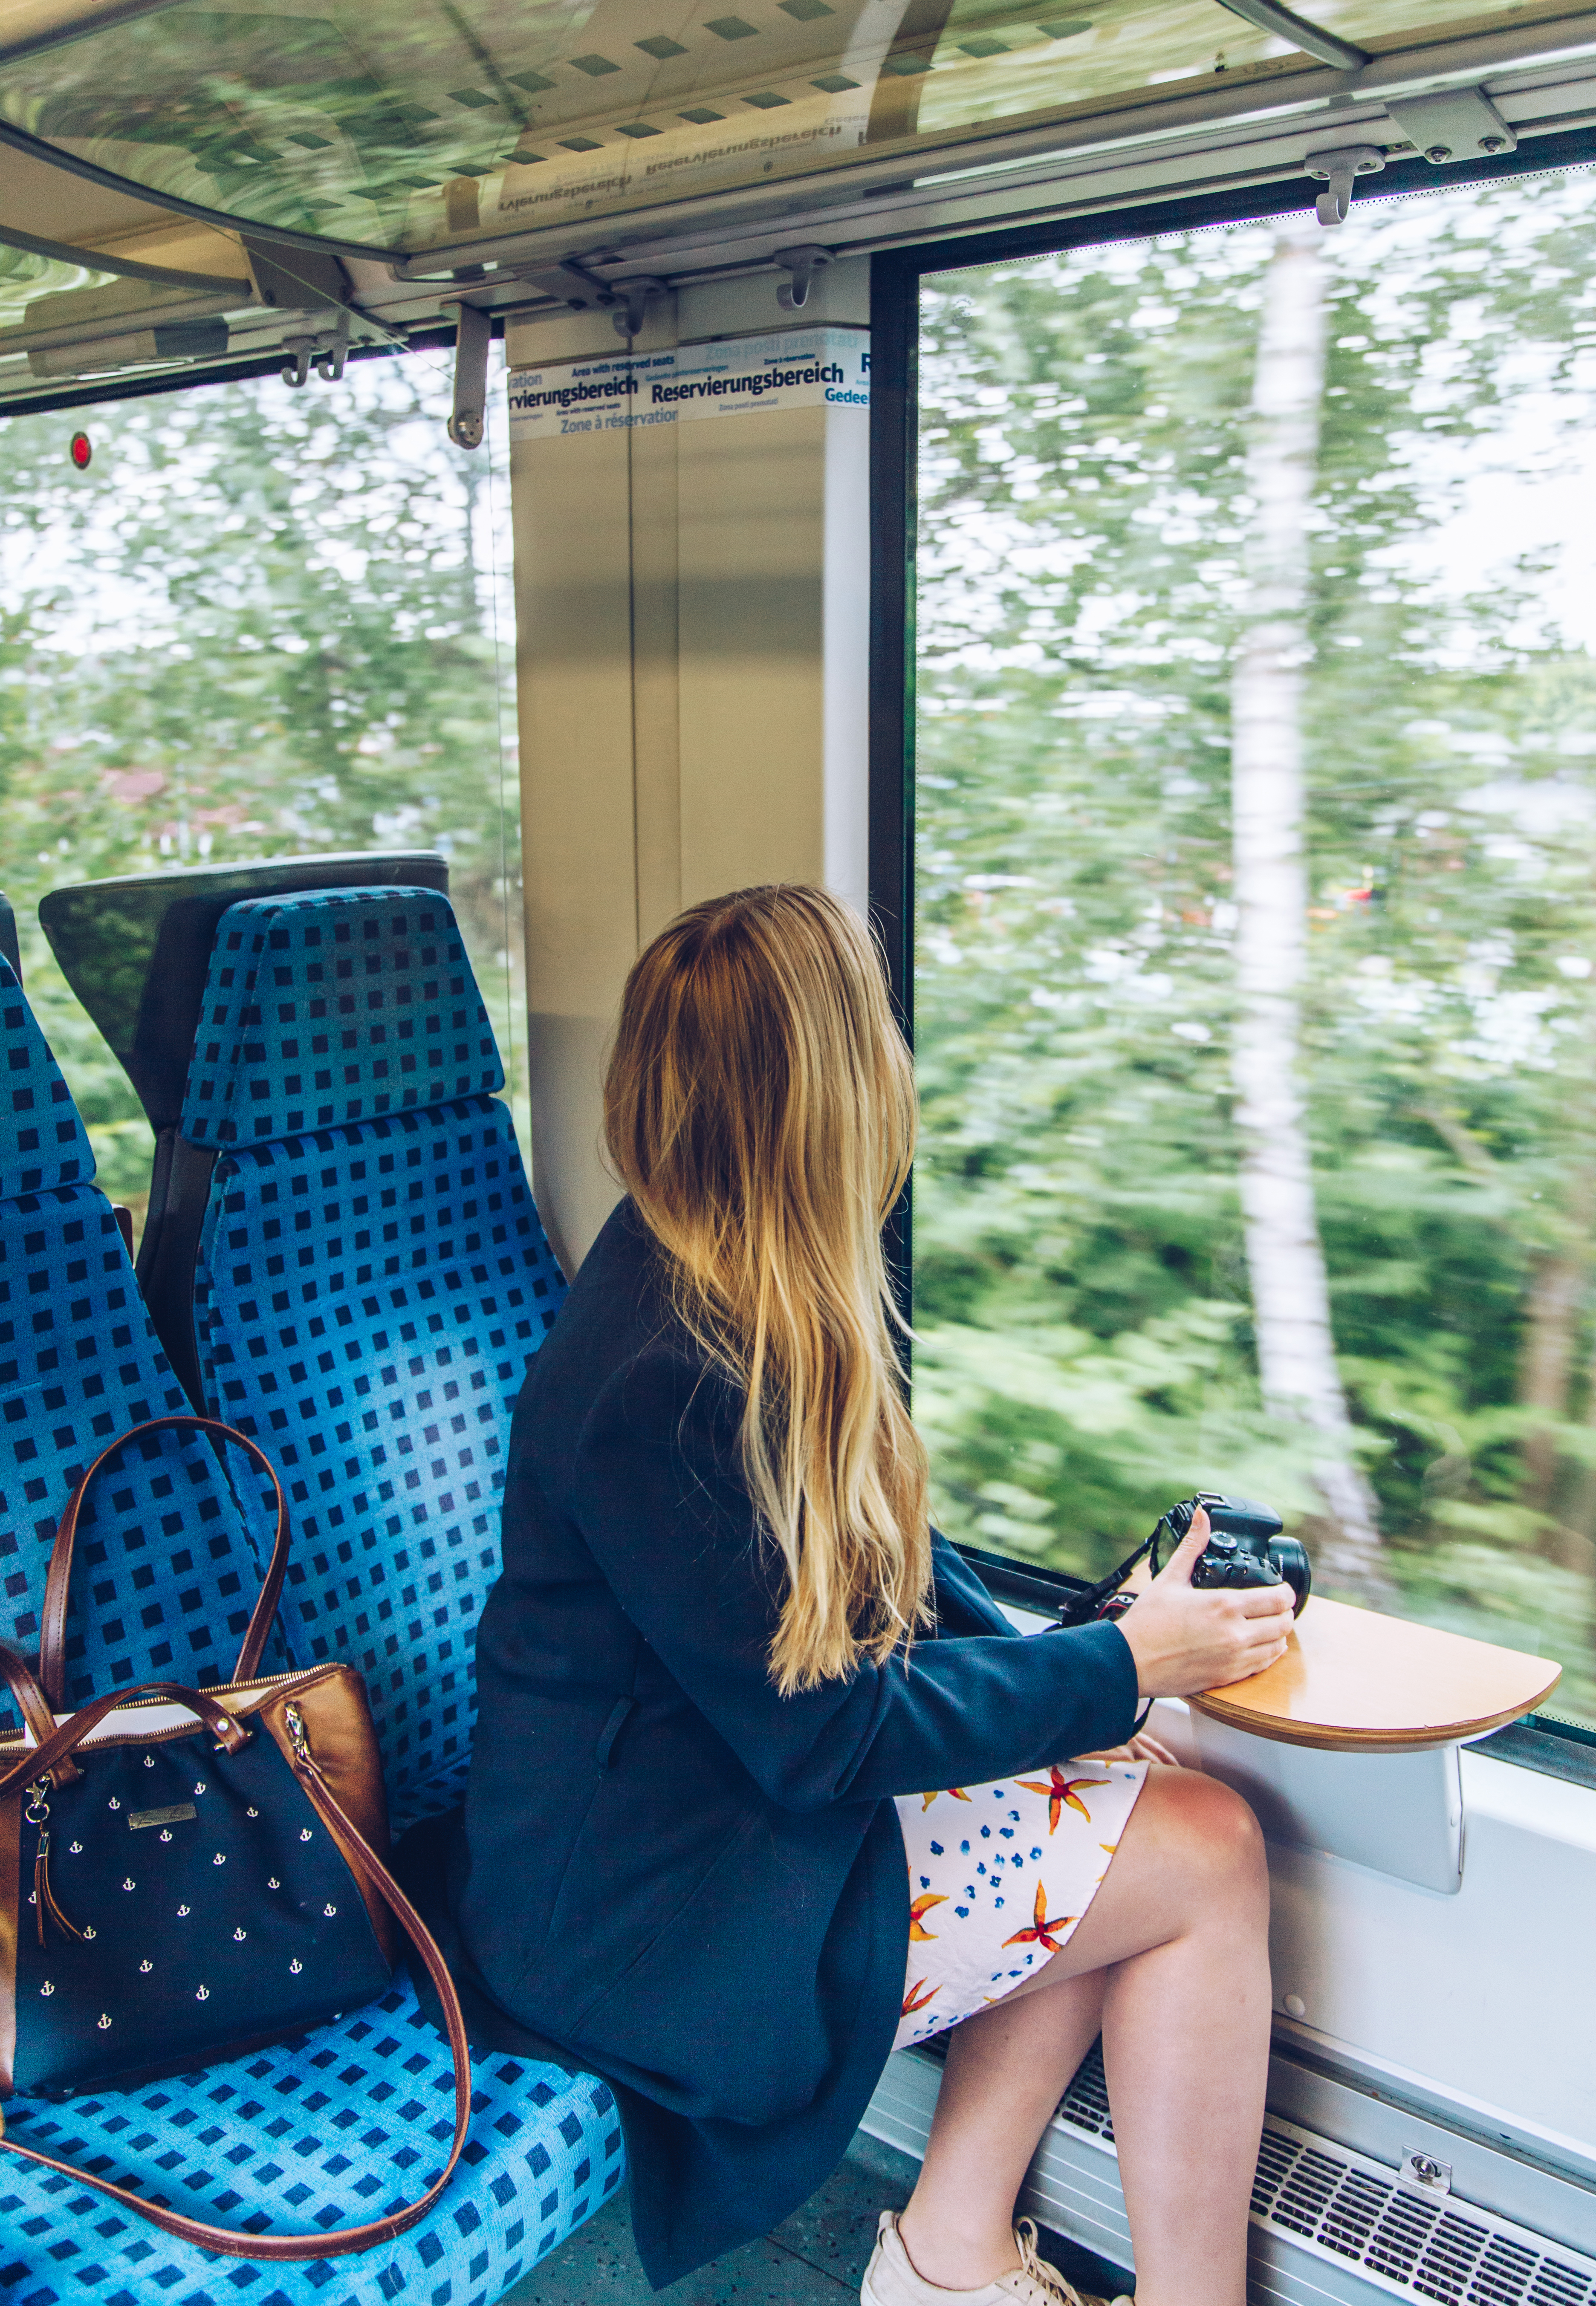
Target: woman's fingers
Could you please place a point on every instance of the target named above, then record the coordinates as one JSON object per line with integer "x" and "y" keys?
{"x": 1184, "y": 1640}
{"x": 1266, "y": 1600}
{"x": 1183, "y": 1560}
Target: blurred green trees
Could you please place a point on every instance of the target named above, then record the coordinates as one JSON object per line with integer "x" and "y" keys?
{"x": 1081, "y": 1297}
{"x": 262, "y": 623}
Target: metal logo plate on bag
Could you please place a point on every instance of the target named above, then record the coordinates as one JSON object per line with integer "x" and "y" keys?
{"x": 172, "y": 1815}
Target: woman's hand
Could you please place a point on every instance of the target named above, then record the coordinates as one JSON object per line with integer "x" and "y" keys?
{"x": 1185, "y": 1641}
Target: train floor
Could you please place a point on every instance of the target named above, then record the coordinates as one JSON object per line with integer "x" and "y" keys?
{"x": 816, "y": 2258}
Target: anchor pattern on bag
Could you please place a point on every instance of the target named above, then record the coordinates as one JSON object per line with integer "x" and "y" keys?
{"x": 278, "y": 1964}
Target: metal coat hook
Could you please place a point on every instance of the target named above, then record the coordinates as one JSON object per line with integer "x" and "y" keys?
{"x": 1339, "y": 171}
{"x": 326, "y": 355}
{"x": 329, "y": 363}
{"x": 800, "y": 264}
{"x": 636, "y": 297}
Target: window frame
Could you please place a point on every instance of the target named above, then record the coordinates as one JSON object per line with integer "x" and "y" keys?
{"x": 1541, "y": 1742}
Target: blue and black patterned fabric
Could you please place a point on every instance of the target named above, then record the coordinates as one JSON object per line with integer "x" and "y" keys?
{"x": 340, "y": 1005}
{"x": 326, "y": 2131}
{"x": 167, "y": 1568}
{"x": 370, "y": 1295}
{"x": 42, "y": 1140}
{"x": 367, "y": 1302}
{"x": 371, "y": 1283}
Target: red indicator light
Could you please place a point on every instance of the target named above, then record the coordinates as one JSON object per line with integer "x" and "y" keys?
{"x": 82, "y": 450}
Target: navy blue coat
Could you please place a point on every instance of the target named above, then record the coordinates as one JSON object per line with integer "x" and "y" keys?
{"x": 696, "y": 1887}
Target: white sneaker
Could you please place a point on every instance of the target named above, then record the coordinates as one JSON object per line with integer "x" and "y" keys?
{"x": 891, "y": 2279}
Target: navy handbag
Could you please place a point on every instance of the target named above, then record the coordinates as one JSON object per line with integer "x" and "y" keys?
{"x": 187, "y": 1875}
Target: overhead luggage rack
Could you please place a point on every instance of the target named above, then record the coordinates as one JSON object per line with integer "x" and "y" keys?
{"x": 375, "y": 133}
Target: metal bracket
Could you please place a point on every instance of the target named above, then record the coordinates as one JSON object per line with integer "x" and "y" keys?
{"x": 295, "y": 280}
{"x": 570, "y": 283}
{"x": 1458, "y": 123}
{"x": 474, "y": 335}
{"x": 634, "y": 298}
{"x": 1424, "y": 2173}
{"x": 325, "y": 352}
{"x": 800, "y": 264}
{"x": 1338, "y": 170}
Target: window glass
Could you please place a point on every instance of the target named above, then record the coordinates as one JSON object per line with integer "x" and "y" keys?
{"x": 1256, "y": 903}
{"x": 27, "y": 281}
{"x": 261, "y": 623}
{"x": 411, "y": 123}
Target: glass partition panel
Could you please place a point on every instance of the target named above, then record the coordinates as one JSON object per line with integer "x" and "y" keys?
{"x": 409, "y": 124}
{"x": 1256, "y": 963}
{"x": 261, "y": 623}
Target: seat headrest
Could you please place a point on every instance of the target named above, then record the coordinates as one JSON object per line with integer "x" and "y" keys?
{"x": 331, "y": 1006}
{"x": 43, "y": 1141}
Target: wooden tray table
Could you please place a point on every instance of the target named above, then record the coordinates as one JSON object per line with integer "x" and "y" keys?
{"x": 1353, "y": 1681}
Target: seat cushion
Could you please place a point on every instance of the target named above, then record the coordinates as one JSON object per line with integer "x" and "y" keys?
{"x": 167, "y": 1566}
{"x": 329, "y": 2131}
{"x": 334, "y": 1006}
{"x": 368, "y": 1300}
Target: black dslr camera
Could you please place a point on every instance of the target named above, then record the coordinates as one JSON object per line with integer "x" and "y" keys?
{"x": 1244, "y": 1548}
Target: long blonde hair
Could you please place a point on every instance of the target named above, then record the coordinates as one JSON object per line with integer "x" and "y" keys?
{"x": 760, "y": 1109}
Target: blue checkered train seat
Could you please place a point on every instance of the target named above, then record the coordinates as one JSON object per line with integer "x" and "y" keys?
{"x": 326, "y": 2131}
{"x": 167, "y": 1561}
{"x": 338, "y": 2126}
{"x": 371, "y": 1283}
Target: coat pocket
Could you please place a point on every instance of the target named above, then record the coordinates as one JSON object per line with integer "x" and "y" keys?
{"x": 620, "y": 1714}
{"x": 706, "y": 2006}
{"x": 607, "y": 1986}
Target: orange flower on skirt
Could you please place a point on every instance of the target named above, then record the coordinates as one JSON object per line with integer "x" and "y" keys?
{"x": 1059, "y": 1791}
{"x": 1039, "y": 1933}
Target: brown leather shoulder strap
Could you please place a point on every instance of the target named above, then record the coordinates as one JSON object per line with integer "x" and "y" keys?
{"x": 35, "y": 1708}
{"x": 52, "y": 1649}
{"x": 279, "y": 2247}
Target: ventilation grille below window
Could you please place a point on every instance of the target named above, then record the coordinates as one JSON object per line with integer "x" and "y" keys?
{"x": 1418, "y": 2246}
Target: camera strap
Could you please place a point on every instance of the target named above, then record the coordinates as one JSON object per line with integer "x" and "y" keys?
{"x": 1084, "y": 1605}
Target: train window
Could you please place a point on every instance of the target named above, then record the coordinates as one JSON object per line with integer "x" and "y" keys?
{"x": 260, "y": 622}
{"x": 1255, "y": 960}
{"x": 377, "y": 124}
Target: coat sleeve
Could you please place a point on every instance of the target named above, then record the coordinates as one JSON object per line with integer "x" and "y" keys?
{"x": 672, "y": 1530}
{"x": 963, "y": 1604}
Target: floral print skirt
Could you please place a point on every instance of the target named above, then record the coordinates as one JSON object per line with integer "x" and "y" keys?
{"x": 999, "y": 1877}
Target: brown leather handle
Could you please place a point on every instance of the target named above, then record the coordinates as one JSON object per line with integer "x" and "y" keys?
{"x": 52, "y": 1646}
{"x": 41, "y": 1759}
{"x": 35, "y": 1708}
{"x": 280, "y": 2247}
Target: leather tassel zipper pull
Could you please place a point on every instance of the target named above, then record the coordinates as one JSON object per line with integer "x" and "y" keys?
{"x": 44, "y": 1897}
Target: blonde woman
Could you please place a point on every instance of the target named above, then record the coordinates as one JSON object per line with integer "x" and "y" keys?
{"x": 763, "y": 1781}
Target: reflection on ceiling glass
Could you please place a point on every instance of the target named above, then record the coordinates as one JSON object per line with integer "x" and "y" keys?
{"x": 26, "y": 281}
{"x": 413, "y": 123}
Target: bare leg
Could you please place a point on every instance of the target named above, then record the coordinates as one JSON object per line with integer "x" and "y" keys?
{"x": 1172, "y": 1959}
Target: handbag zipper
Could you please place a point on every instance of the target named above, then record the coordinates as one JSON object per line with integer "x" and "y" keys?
{"x": 95, "y": 1742}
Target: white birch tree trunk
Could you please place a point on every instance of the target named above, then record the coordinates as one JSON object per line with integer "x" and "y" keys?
{"x": 1284, "y": 1257}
